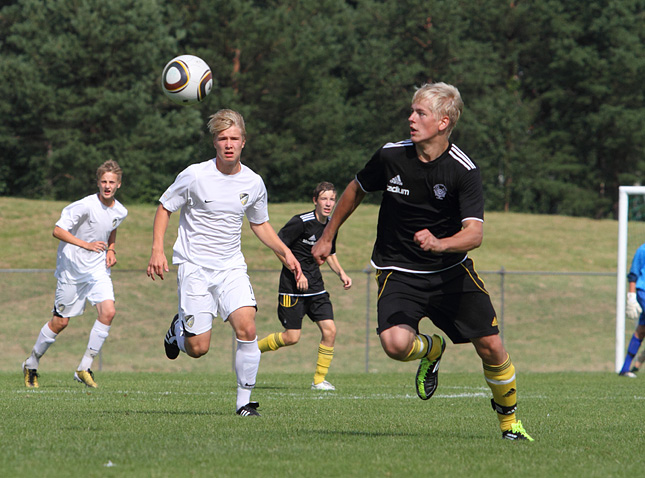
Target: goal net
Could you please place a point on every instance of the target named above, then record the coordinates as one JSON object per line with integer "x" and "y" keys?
{"x": 624, "y": 192}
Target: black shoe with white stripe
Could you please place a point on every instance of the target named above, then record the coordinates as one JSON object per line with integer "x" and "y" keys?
{"x": 170, "y": 341}
{"x": 249, "y": 410}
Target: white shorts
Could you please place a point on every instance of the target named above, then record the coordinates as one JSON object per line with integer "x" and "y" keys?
{"x": 70, "y": 298}
{"x": 204, "y": 294}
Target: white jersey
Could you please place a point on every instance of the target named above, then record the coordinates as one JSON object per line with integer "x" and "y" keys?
{"x": 213, "y": 206}
{"x": 90, "y": 220}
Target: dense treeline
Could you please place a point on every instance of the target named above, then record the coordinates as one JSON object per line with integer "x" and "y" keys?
{"x": 554, "y": 116}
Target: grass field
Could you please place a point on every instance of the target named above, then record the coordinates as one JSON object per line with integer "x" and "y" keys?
{"x": 178, "y": 425}
{"x": 153, "y": 418}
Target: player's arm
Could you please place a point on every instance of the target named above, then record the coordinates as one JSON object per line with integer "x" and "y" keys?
{"x": 335, "y": 266}
{"x": 158, "y": 263}
{"x": 346, "y": 205}
{"x": 468, "y": 238}
{"x": 267, "y": 236}
{"x": 110, "y": 255}
{"x": 66, "y": 236}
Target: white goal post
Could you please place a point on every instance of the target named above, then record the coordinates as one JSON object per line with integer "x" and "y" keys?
{"x": 621, "y": 271}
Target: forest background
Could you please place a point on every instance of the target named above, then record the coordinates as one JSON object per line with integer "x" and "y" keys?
{"x": 554, "y": 97}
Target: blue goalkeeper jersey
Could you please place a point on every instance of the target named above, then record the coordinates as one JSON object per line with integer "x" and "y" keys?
{"x": 637, "y": 271}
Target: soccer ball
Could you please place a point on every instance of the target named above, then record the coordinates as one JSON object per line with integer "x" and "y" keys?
{"x": 186, "y": 80}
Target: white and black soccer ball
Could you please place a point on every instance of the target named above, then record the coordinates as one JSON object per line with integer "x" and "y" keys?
{"x": 186, "y": 79}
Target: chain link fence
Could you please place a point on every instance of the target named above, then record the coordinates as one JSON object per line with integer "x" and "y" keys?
{"x": 550, "y": 321}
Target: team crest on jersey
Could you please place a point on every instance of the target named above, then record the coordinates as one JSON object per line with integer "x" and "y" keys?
{"x": 190, "y": 320}
{"x": 60, "y": 308}
{"x": 244, "y": 198}
{"x": 114, "y": 222}
{"x": 440, "y": 191}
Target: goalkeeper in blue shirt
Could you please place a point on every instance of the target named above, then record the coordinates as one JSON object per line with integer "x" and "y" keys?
{"x": 634, "y": 308}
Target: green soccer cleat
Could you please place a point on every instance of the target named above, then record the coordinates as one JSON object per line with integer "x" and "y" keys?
{"x": 86, "y": 377}
{"x": 427, "y": 374}
{"x": 31, "y": 376}
{"x": 516, "y": 432}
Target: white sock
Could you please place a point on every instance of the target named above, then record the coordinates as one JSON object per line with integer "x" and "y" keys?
{"x": 247, "y": 362}
{"x": 179, "y": 334}
{"x": 98, "y": 334}
{"x": 46, "y": 337}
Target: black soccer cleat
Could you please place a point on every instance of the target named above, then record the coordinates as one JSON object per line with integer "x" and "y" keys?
{"x": 170, "y": 341}
{"x": 249, "y": 410}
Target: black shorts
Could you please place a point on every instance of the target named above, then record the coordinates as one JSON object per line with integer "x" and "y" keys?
{"x": 291, "y": 309}
{"x": 455, "y": 300}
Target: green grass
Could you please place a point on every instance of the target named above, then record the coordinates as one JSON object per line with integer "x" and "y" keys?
{"x": 572, "y": 316}
{"x": 153, "y": 417}
{"x": 173, "y": 424}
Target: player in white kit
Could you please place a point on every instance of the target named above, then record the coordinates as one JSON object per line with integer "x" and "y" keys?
{"x": 214, "y": 196}
{"x": 87, "y": 233}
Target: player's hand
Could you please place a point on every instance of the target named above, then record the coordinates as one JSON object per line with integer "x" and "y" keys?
{"x": 428, "y": 241}
{"x": 293, "y": 265}
{"x": 302, "y": 284}
{"x": 96, "y": 246}
{"x": 346, "y": 280}
{"x": 321, "y": 250}
{"x": 633, "y": 310}
{"x": 110, "y": 259}
{"x": 157, "y": 265}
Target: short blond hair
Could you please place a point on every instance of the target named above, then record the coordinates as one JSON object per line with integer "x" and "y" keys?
{"x": 110, "y": 166}
{"x": 442, "y": 100}
{"x": 223, "y": 120}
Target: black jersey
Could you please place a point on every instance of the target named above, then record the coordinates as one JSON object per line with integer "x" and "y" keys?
{"x": 437, "y": 196}
{"x": 300, "y": 234}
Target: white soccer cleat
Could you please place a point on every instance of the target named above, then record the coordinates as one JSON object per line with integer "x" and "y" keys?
{"x": 324, "y": 385}
{"x": 628, "y": 374}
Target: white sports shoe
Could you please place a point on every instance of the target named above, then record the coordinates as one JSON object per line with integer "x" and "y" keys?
{"x": 324, "y": 385}
{"x": 628, "y": 374}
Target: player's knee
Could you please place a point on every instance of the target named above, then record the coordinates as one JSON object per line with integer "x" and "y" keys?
{"x": 394, "y": 351}
{"x": 197, "y": 350}
{"x": 329, "y": 334}
{"x": 58, "y": 324}
{"x": 640, "y": 332}
{"x": 106, "y": 315}
{"x": 291, "y": 337}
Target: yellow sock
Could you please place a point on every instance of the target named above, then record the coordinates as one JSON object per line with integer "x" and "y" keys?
{"x": 424, "y": 346}
{"x": 271, "y": 342}
{"x": 420, "y": 347}
{"x": 325, "y": 355}
{"x": 501, "y": 380}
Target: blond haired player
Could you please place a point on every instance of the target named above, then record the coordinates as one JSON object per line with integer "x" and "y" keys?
{"x": 213, "y": 197}
{"x": 86, "y": 252}
{"x": 431, "y": 215}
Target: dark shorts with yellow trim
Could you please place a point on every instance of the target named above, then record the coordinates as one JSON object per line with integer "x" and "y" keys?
{"x": 292, "y": 309}
{"x": 455, "y": 300}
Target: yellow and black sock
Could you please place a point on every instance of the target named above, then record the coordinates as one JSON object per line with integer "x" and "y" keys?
{"x": 501, "y": 380}
{"x": 424, "y": 346}
{"x": 271, "y": 342}
{"x": 325, "y": 356}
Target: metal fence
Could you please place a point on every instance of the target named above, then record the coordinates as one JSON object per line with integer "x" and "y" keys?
{"x": 549, "y": 321}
